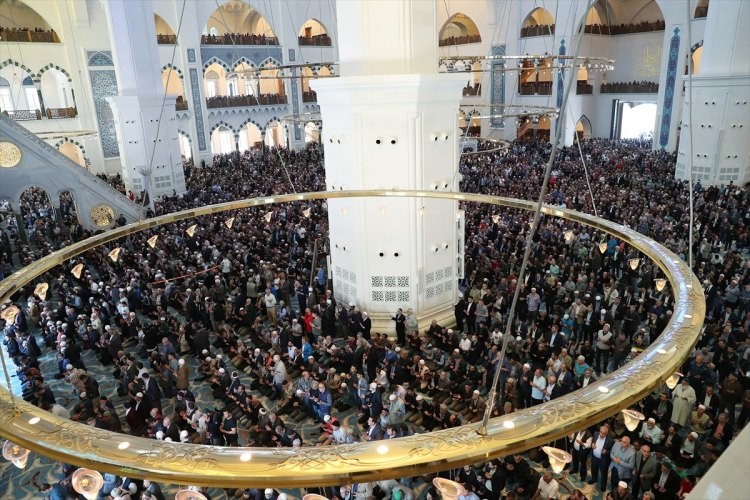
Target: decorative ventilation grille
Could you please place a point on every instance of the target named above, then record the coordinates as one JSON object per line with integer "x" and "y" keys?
{"x": 345, "y": 284}
{"x": 391, "y": 288}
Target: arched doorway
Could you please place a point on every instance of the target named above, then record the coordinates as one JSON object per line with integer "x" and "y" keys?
{"x": 312, "y": 132}
{"x": 172, "y": 83}
{"x": 38, "y": 215}
{"x": 186, "y": 145}
{"x": 68, "y": 209}
{"x": 74, "y": 152}
{"x": 271, "y": 86}
{"x": 215, "y": 81}
{"x": 222, "y": 140}
{"x": 275, "y": 135}
{"x": 18, "y": 95}
{"x": 583, "y": 128}
{"x": 314, "y": 33}
{"x": 244, "y": 79}
{"x": 459, "y": 29}
{"x": 250, "y": 137}
{"x": 57, "y": 90}
{"x": 539, "y": 22}
{"x": 697, "y": 59}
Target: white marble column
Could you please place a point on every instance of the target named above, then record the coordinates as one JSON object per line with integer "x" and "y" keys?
{"x": 144, "y": 119}
{"x": 391, "y": 121}
{"x": 720, "y": 150}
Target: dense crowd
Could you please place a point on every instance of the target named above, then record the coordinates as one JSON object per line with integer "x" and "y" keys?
{"x": 634, "y": 87}
{"x": 232, "y": 336}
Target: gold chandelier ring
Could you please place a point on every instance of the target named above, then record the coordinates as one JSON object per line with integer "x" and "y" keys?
{"x": 202, "y": 465}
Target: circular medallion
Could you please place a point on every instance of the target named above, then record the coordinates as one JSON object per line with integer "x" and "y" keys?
{"x": 10, "y": 155}
{"x": 102, "y": 215}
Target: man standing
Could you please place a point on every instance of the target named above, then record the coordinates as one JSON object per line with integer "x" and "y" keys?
{"x": 683, "y": 400}
{"x": 547, "y": 487}
{"x": 400, "y": 320}
{"x": 600, "y": 457}
{"x": 269, "y": 300}
{"x": 623, "y": 462}
{"x": 644, "y": 470}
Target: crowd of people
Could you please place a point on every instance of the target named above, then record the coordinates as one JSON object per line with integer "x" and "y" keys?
{"x": 625, "y": 29}
{"x": 634, "y": 87}
{"x": 232, "y": 336}
{"x": 239, "y": 39}
{"x": 227, "y": 101}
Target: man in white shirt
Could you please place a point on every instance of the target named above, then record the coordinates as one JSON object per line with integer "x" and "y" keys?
{"x": 269, "y": 300}
{"x": 538, "y": 386}
{"x": 547, "y": 487}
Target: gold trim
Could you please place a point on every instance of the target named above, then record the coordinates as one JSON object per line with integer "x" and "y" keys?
{"x": 85, "y": 446}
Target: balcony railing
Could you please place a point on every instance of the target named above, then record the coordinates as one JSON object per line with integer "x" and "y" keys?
{"x": 460, "y": 40}
{"x": 316, "y": 41}
{"x": 28, "y": 35}
{"x": 538, "y": 30}
{"x": 629, "y": 88}
{"x": 59, "y": 113}
{"x": 584, "y": 88}
{"x": 238, "y": 39}
{"x": 166, "y": 39}
{"x": 473, "y": 90}
{"x": 239, "y": 101}
{"x": 701, "y": 12}
{"x": 309, "y": 96}
{"x": 180, "y": 104}
{"x": 536, "y": 88}
{"x": 625, "y": 29}
{"x": 23, "y": 115}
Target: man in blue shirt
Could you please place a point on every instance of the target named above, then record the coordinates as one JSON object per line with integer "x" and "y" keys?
{"x": 622, "y": 462}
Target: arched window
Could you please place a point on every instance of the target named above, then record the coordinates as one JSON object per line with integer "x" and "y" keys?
{"x": 250, "y": 137}
{"x": 459, "y": 29}
{"x": 539, "y": 22}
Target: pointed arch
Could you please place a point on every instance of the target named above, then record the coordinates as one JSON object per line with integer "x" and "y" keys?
{"x": 539, "y": 22}
{"x": 215, "y": 60}
{"x": 239, "y": 23}
{"x": 186, "y": 144}
{"x": 11, "y": 62}
{"x": 52, "y": 66}
{"x": 459, "y": 29}
{"x": 583, "y": 127}
{"x": 314, "y": 33}
{"x": 22, "y": 23}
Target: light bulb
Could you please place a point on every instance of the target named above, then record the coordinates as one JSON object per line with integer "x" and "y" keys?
{"x": 632, "y": 418}
{"x": 557, "y": 458}
{"x": 673, "y": 380}
{"x": 603, "y": 247}
{"x": 660, "y": 283}
{"x": 634, "y": 263}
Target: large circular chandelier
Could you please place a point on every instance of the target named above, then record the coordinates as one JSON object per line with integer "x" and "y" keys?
{"x": 34, "y": 429}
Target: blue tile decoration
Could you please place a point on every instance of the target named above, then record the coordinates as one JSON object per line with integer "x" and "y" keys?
{"x": 291, "y": 55}
{"x": 195, "y": 88}
{"x": 99, "y": 58}
{"x": 231, "y": 56}
{"x": 295, "y": 105}
{"x": 497, "y": 88}
{"x": 666, "y": 116}
{"x": 560, "y": 78}
{"x": 103, "y": 85}
{"x": 191, "y": 55}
